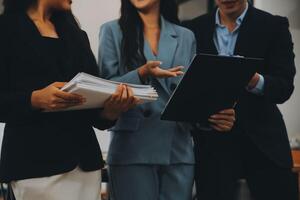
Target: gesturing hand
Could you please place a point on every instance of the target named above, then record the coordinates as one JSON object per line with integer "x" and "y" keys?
{"x": 152, "y": 68}
{"x": 223, "y": 121}
{"x": 52, "y": 98}
{"x": 121, "y": 101}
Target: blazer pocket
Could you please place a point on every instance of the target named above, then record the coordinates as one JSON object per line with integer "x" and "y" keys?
{"x": 127, "y": 124}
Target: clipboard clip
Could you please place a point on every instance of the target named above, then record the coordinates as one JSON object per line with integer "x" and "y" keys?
{"x": 235, "y": 104}
{"x": 238, "y": 56}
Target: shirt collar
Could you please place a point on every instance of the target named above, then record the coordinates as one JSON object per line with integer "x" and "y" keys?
{"x": 239, "y": 20}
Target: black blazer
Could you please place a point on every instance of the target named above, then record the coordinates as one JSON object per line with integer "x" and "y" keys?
{"x": 262, "y": 35}
{"x": 38, "y": 144}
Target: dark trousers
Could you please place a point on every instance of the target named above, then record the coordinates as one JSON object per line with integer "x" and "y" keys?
{"x": 223, "y": 159}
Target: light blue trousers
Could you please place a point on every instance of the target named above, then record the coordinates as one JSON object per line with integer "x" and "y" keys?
{"x": 151, "y": 182}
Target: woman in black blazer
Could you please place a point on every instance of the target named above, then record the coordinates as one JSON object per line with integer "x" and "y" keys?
{"x": 41, "y": 48}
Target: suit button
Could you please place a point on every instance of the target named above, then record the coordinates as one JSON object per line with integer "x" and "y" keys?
{"x": 147, "y": 113}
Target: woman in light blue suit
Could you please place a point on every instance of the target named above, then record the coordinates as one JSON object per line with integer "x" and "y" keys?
{"x": 149, "y": 159}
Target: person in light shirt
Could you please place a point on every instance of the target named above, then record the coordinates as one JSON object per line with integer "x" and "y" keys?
{"x": 257, "y": 149}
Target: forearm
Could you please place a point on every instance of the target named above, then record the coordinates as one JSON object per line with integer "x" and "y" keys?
{"x": 279, "y": 79}
{"x": 15, "y": 105}
{"x": 101, "y": 122}
{"x": 131, "y": 77}
{"x": 277, "y": 89}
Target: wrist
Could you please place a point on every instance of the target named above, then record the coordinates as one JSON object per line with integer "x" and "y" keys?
{"x": 143, "y": 72}
{"x": 35, "y": 99}
{"x": 110, "y": 115}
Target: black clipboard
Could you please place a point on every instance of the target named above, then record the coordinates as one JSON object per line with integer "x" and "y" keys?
{"x": 211, "y": 84}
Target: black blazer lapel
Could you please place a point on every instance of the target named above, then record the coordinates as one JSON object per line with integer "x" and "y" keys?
{"x": 74, "y": 57}
{"x": 33, "y": 41}
{"x": 246, "y": 32}
{"x": 211, "y": 32}
{"x": 206, "y": 37}
{"x": 29, "y": 34}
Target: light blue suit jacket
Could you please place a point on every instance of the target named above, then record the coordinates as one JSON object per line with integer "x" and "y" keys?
{"x": 140, "y": 137}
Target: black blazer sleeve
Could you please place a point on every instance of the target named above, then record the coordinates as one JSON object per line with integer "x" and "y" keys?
{"x": 97, "y": 121}
{"x": 12, "y": 102}
{"x": 279, "y": 82}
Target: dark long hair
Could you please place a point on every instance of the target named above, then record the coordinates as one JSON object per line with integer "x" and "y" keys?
{"x": 132, "y": 29}
{"x": 21, "y": 6}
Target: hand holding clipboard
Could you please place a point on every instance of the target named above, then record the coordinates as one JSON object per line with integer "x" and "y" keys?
{"x": 211, "y": 84}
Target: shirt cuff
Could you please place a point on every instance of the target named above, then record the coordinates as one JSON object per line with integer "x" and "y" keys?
{"x": 203, "y": 127}
{"x": 259, "y": 88}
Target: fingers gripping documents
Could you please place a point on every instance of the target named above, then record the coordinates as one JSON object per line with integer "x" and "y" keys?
{"x": 97, "y": 91}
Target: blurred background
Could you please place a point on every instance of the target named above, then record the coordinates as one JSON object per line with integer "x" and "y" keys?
{"x": 93, "y": 13}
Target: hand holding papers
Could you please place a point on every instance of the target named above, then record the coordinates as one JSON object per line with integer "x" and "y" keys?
{"x": 51, "y": 98}
{"x": 97, "y": 91}
{"x": 121, "y": 101}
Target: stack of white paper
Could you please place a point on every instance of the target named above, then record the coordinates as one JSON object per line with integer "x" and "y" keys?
{"x": 97, "y": 91}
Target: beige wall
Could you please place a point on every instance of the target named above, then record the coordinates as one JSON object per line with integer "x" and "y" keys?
{"x": 93, "y": 13}
{"x": 1, "y": 8}
{"x": 192, "y": 8}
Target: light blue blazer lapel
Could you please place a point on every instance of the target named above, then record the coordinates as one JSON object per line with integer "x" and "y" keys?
{"x": 166, "y": 50}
